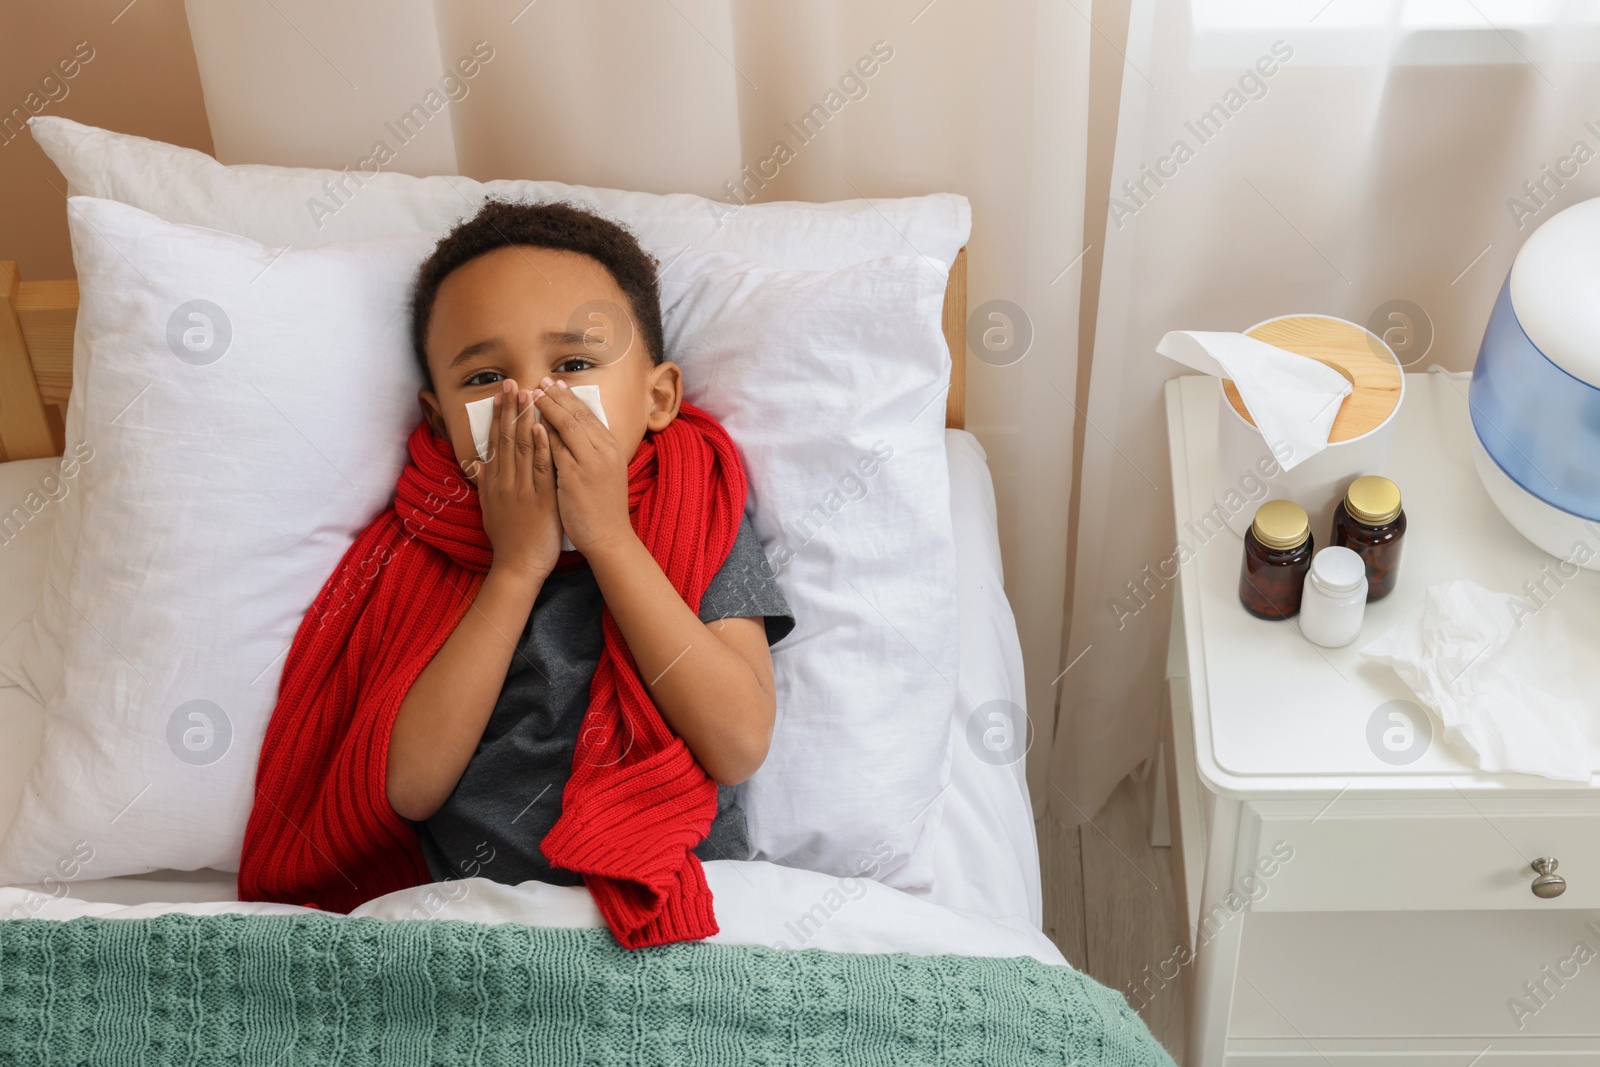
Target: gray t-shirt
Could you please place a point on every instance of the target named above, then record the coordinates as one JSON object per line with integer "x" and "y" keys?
{"x": 509, "y": 796}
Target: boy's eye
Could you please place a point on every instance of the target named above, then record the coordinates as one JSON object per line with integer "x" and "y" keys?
{"x": 569, "y": 365}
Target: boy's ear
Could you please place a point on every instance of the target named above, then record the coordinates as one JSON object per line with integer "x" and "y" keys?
{"x": 428, "y": 401}
{"x": 665, "y": 386}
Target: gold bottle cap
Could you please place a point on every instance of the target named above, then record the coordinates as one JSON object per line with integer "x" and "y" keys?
{"x": 1373, "y": 500}
{"x": 1281, "y": 524}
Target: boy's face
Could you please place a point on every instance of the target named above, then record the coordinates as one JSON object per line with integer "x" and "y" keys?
{"x": 524, "y": 313}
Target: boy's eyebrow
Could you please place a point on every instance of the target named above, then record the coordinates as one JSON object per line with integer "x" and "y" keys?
{"x": 476, "y": 348}
{"x": 567, "y": 337}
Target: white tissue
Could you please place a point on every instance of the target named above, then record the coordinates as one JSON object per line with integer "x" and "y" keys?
{"x": 1292, "y": 399}
{"x": 590, "y": 395}
{"x": 480, "y": 417}
{"x": 1501, "y": 680}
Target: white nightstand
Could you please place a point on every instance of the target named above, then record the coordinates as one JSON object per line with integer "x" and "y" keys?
{"x": 1403, "y": 928}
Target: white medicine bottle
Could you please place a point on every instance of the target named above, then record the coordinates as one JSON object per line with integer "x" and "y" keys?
{"x": 1335, "y": 598}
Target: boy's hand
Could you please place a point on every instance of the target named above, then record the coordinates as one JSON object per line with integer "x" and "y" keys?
{"x": 517, "y": 488}
{"x": 591, "y": 471}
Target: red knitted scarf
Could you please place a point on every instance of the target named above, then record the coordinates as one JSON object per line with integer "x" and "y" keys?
{"x": 322, "y": 833}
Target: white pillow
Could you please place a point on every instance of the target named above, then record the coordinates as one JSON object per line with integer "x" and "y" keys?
{"x": 221, "y": 496}
{"x": 304, "y": 207}
{"x": 833, "y": 385}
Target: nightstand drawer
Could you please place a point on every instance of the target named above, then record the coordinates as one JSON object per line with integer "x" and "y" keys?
{"x": 1428, "y": 855}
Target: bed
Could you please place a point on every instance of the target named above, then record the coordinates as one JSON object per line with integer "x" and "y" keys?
{"x": 807, "y": 966}
{"x": 990, "y": 867}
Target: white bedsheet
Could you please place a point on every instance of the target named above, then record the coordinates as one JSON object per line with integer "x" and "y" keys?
{"x": 986, "y": 851}
{"x": 757, "y": 903}
{"x": 985, "y": 899}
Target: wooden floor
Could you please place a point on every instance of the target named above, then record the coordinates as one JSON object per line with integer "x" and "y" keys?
{"x": 1109, "y": 906}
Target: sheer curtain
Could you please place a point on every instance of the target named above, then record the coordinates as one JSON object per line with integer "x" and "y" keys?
{"x": 1376, "y": 160}
{"x": 989, "y": 100}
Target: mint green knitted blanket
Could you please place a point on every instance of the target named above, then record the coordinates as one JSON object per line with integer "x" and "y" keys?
{"x": 279, "y": 991}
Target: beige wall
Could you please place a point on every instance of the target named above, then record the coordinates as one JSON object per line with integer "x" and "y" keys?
{"x": 139, "y": 78}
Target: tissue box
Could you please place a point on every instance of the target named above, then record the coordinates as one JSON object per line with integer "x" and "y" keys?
{"x": 1247, "y": 473}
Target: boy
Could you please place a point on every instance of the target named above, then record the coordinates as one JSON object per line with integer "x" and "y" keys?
{"x": 484, "y": 740}
{"x": 464, "y": 698}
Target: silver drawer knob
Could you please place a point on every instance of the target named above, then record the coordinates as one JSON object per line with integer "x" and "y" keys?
{"x": 1549, "y": 883}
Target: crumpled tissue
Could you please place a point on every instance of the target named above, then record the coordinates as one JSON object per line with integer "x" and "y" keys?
{"x": 480, "y": 417}
{"x": 1292, "y": 399}
{"x": 1498, "y": 674}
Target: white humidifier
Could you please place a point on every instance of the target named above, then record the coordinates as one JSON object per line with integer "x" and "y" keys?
{"x": 1535, "y": 394}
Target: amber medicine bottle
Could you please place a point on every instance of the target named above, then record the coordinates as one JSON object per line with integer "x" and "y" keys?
{"x": 1370, "y": 522}
{"x": 1277, "y": 556}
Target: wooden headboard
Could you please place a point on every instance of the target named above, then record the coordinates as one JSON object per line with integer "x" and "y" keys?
{"x": 37, "y": 318}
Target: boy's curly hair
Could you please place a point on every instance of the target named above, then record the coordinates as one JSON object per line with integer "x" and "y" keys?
{"x": 560, "y": 225}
